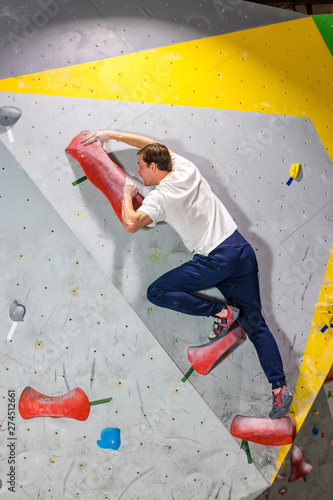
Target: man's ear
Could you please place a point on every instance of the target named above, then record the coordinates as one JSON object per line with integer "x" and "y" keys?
{"x": 153, "y": 166}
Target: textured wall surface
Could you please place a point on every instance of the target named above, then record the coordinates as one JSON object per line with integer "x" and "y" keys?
{"x": 83, "y": 279}
{"x": 313, "y": 440}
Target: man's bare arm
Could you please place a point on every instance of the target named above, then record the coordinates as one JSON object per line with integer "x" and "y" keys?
{"x": 132, "y": 220}
{"x": 138, "y": 141}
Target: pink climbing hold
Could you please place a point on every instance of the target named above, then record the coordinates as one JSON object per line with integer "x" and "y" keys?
{"x": 266, "y": 431}
{"x": 75, "y": 404}
{"x": 299, "y": 468}
{"x": 282, "y": 491}
{"x": 102, "y": 172}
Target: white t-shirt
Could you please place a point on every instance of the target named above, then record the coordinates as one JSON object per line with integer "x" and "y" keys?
{"x": 185, "y": 201}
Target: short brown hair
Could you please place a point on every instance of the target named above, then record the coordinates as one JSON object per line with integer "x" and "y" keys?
{"x": 157, "y": 153}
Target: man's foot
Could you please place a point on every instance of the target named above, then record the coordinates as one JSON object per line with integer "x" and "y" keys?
{"x": 223, "y": 323}
{"x": 281, "y": 403}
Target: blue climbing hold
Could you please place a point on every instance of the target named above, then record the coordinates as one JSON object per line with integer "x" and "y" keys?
{"x": 110, "y": 439}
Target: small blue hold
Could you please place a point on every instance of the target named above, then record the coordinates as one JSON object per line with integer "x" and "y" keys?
{"x": 315, "y": 431}
{"x": 110, "y": 439}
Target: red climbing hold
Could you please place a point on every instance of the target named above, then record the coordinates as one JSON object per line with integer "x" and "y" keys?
{"x": 75, "y": 404}
{"x": 267, "y": 431}
{"x": 102, "y": 172}
{"x": 329, "y": 375}
{"x": 299, "y": 468}
{"x": 204, "y": 357}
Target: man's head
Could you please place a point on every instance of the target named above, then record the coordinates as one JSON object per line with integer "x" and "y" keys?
{"x": 157, "y": 153}
{"x": 154, "y": 163}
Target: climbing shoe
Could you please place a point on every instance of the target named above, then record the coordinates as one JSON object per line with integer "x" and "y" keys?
{"x": 222, "y": 325}
{"x": 281, "y": 403}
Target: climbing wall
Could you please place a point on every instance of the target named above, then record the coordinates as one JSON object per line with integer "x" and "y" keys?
{"x": 242, "y": 90}
{"x": 156, "y": 437}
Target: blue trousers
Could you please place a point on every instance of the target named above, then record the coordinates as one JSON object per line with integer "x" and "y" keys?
{"x": 232, "y": 268}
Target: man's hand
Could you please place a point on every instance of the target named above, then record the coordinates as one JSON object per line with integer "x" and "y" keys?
{"x": 99, "y": 135}
{"x": 132, "y": 220}
{"x": 129, "y": 189}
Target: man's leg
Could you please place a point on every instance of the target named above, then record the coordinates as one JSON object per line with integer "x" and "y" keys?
{"x": 245, "y": 295}
{"x": 232, "y": 268}
{"x": 243, "y": 292}
{"x": 175, "y": 289}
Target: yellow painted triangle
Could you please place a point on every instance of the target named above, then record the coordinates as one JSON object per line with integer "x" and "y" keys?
{"x": 317, "y": 358}
{"x": 282, "y": 69}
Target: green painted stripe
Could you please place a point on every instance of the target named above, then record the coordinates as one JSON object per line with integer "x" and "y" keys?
{"x": 186, "y": 376}
{"x": 100, "y": 402}
{"x": 245, "y": 446}
{"x": 324, "y": 23}
{"x": 78, "y": 181}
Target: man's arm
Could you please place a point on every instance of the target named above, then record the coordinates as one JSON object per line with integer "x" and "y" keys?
{"x": 132, "y": 220}
{"x": 138, "y": 141}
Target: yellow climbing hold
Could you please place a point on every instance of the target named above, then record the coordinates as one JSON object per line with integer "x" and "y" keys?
{"x": 294, "y": 170}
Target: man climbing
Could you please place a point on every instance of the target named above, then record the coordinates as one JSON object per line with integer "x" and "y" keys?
{"x": 221, "y": 256}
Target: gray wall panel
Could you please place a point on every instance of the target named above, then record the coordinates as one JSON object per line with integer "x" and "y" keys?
{"x": 80, "y": 332}
{"x": 48, "y": 34}
{"x": 134, "y": 261}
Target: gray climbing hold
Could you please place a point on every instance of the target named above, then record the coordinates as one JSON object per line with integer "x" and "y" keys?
{"x": 9, "y": 115}
{"x": 16, "y": 311}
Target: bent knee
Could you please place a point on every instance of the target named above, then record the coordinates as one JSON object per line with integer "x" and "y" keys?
{"x": 153, "y": 293}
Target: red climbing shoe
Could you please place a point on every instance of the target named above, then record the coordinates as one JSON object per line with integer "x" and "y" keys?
{"x": 281, "y": 403}
{"x": 222, "y": 325}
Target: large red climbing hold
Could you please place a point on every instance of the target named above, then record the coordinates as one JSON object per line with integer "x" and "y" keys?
{"x": 102, "y": 172}
{"x": 299, "y": 467}
{"x": 204, "y": 357}
{"x": 75, "y": 404}
{"x": 267, "y": 431}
